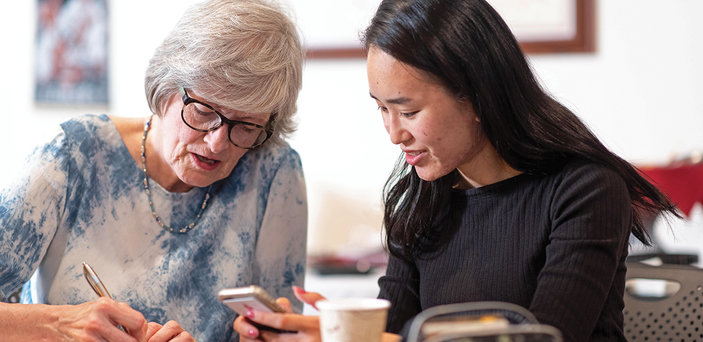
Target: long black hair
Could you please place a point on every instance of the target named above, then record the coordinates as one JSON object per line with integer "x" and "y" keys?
{"x": 468, "y": 46}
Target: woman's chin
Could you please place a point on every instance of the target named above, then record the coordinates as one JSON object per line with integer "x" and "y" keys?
{"x": 196, "y": 177}
{"x": 201, "y": 183}
{"x": 427, "y": 178}
{"x": 429, "y": 175}
{"x": 198, "y": 181}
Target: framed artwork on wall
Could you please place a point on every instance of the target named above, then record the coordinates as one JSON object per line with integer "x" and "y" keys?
{"x": 550, "y": 26}
{"x": 71, "y": 52}
{"x": 541, "y": 26}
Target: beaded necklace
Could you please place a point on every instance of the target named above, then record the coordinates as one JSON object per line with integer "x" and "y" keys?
{"x": 156, "y": 216}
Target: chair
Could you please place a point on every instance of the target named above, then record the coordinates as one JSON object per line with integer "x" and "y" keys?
{"x": 467, "y": 322}
{"x": 663, "y": 303}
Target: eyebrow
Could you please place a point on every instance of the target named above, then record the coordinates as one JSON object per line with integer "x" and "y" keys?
{"x": 397, "y": 100}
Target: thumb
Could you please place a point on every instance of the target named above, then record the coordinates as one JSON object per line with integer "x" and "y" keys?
{"x": 284, "y": 303}
{"x": 309, "y": 298}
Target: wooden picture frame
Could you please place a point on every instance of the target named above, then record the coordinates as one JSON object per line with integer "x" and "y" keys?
{"x": 581, "y": 38}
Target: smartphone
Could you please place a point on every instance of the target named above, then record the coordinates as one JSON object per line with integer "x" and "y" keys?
{"x": 243, "y": 299}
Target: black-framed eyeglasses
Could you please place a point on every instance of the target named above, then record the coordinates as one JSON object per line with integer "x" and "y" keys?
{"x": 203, "y": 118}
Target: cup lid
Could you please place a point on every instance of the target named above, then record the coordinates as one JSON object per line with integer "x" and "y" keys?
{"x": 353, "y": 304}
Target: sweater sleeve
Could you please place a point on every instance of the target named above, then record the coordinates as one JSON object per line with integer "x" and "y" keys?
{"x": 591, "y": 222}
{"x": 400, "y": 285}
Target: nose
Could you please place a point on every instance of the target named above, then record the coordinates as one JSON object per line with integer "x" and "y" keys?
{"x": 218, "y": 140}
{"x": 395, "y": 129}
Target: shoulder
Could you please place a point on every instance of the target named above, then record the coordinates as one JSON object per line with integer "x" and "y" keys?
{"x": 574, "y": 177}
{"x": 89, "y": 128}
{"x": 68, "y": 137}
{"x": 575, "y": 183}
{"x": 273, "y": 157}
{"x": 282, "y": 153}
{"x": 89, "y": 139}
{"x": 259, "y": 167}
{"x": 86, "y": 122}
{"x": 586, "y": 182}
{"x": 259, "y": 172}
{"x": 586, "y": 173}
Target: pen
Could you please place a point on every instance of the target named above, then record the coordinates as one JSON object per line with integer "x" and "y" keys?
{"x": 95, "y": 281}
{"x": 96, "y": 284}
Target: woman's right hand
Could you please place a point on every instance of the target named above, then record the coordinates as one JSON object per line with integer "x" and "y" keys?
{"x": 98, "y": 321}
{"x": 307, "y": 328}
{"x": 171, "y": 331}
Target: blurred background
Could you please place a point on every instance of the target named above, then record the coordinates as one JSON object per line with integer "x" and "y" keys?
{"x": 639, "y": 90}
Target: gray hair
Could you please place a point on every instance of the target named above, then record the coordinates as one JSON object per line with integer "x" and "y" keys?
{"x": 241, "y": 54}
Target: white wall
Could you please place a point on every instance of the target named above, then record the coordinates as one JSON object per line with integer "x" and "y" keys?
{"x": 640, "y": 93}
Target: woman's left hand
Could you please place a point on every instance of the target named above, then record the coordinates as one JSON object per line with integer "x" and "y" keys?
{"x": 171, "y": 331}
{"x": 304, "y": 328}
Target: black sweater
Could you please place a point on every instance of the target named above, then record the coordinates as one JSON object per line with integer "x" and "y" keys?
{"x": 554, "y": 244}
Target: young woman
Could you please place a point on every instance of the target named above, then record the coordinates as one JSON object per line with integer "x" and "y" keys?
{"x": 502, "y": 193}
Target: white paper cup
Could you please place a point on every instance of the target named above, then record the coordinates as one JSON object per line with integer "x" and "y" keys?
{"x": 353, "y": 319}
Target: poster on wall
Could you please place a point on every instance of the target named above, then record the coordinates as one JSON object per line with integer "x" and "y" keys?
{"x": 71, "y": 52}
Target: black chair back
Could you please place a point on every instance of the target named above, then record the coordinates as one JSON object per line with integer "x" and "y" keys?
{"x": 462, "y": 322}
{"x": 663, "y": 303}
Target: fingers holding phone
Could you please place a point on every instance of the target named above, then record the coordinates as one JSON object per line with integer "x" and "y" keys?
{"x": 284, "y": 303}
{"x": 246, "y": 301}
{"x": 264, "y": 319}
{"x": 277, "y": 327}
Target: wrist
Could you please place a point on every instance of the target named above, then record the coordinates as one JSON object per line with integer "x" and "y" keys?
{"x": 27, "y": 322}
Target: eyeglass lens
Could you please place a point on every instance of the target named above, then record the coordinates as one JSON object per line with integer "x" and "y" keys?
{"x": 244, "y": 135}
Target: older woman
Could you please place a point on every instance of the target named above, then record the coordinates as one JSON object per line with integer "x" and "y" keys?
{"x": 203, "y": 194}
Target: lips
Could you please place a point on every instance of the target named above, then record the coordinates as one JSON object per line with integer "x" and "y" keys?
{"x": 205, "y": 163}
{"x": 413, "y": 157}
{"x": 205, "y": 159}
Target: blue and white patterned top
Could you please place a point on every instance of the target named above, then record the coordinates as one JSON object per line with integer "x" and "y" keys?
{"x": 82, "y": 199}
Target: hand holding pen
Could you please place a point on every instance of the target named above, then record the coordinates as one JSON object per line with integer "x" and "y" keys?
{"x": 96, "y": 320}
{"x": 171, "y": 331}
{"x": 97, "y": 285}
{"x": 118, "y": 315}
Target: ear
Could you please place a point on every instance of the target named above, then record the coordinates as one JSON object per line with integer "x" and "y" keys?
{"x": 465, "y": 100}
